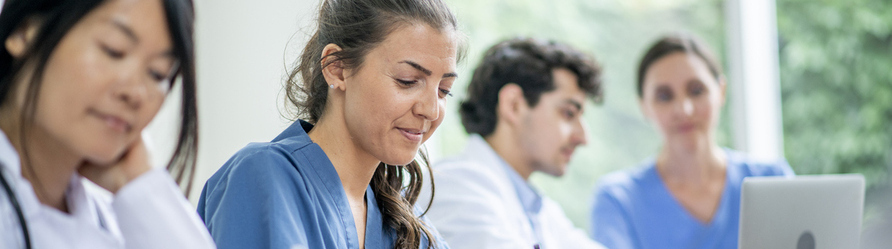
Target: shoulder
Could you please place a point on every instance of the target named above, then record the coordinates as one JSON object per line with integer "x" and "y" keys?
{"x": 757, "y": 167}
{"x": 466, "y": 170}
{"x": 625, "y": 181}
{"x": 262, "y": 158}
{"x": 471, "y": 186}
{"x": 258, "y": 166}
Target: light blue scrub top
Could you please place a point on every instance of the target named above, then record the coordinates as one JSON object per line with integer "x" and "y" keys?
{"x": 634, "y": 209}
{"x": 287, "y": 194}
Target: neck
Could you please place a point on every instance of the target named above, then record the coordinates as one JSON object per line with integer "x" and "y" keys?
{"x": 354, "y": 165}
{"x": 45, "y": 162}
{"x": 691, "y": 165}
{"x": 507, "y": 147}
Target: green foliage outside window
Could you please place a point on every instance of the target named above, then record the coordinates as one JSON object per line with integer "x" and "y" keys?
{"x": 836, "y": 80}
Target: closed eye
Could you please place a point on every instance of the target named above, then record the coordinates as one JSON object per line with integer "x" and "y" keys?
{"x": 158, "y": 77}
{"x": 113, "y": 53}
{"x": 407, "y": 82}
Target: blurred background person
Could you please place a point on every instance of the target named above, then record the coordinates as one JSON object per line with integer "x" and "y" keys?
{"x": 688, "y": 195}
{"x": 524, "y": 113}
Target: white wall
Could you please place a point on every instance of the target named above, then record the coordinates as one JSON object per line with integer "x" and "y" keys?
{"x": 244, "y": 49}
{"x": 753, "y": 74}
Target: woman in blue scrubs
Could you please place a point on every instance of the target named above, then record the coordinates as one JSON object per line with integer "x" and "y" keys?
{"x": 688, "y": 196}
{"x": 376, "y": 75}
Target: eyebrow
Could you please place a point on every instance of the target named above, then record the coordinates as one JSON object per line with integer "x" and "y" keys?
{"x": 574, "y": 103}
{"x": 126, "y": 30}
{"x": 427, "y": 71}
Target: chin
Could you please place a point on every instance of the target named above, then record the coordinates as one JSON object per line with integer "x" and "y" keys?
{"x": 402, "y": 159}
{"x": 557, "y": 173}
{"x": 104, "y": 156}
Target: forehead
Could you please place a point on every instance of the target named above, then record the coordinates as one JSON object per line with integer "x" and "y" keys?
{"x": 145, "y": 18}
{"x": 566, "y": 85}
{"x": 676, "y": 68}
{"x": 435, "y": 49}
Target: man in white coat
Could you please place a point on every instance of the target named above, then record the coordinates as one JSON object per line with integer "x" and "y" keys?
{"x": 524, "y": 113}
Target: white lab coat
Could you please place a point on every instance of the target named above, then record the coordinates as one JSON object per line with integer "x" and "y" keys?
{"x": 476, "y": 206}
{"x": 149, "y": 212}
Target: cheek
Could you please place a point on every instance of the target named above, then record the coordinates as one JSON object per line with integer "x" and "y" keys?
{"x": 149, "y": 111}
{"x": 707, "y": 109}
{"x": 56, "y": 104}
{"x": 662, "y": 116}
{"x": 436, "y": 123}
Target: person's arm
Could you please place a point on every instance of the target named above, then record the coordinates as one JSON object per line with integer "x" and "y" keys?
{"x": 609, "y": 222}
{"x": 152, "y": 213}
{"x": 256, "y": 203}
{"x": 149, "y": 208}
{"x": 468, "y": 211}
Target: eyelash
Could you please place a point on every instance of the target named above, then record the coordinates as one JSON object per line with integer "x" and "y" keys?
{"x": 157, "y": 76}
{"x": 407, "y": 82}
{"x": 412, "y": 82}
{"x": 114, "y": 54}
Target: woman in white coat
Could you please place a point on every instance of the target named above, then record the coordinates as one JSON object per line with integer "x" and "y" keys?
{"x": 79, "y": 80}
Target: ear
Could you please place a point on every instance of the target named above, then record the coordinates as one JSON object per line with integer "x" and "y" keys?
{"x": 334, "y": 73}
{"x": 512, "y": 106}
{"x": 18, "y": 41}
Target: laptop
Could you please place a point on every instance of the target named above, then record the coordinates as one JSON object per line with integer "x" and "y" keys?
{"x": 805, "y": 212}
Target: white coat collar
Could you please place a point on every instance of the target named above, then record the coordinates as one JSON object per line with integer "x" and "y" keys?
{"x": 480, "y": 150}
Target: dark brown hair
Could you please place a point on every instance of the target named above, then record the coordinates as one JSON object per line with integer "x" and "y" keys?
{"x": 57, "y": 17}
{"x": 529, "y": 63}
{"x": 677, "y": 43}
{"x": 358, "y": 26}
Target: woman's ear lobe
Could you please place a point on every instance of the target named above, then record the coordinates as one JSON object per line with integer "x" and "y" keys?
{"x": 332, "y": 68}
{"x": 20, "y": 39}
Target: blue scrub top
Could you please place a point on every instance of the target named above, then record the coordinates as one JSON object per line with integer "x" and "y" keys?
{"x": 287, "y": 194}
{"x": 634, "y": 209}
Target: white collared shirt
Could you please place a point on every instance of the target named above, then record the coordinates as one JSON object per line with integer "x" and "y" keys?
{"x": 148, "y": 212}
{"x": 478, "y": 205}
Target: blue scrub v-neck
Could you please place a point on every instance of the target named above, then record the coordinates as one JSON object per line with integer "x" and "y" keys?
{"x": 634, "y": 208}
{"x": 286, "y": 194}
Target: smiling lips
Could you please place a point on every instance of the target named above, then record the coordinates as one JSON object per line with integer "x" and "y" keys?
{"x": 686, "y": 127}
{"x": 414, "y": 135}
{"x": 114, "y": 122}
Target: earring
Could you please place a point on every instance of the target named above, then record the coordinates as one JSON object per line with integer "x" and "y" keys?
{"x": 331, "y": 86}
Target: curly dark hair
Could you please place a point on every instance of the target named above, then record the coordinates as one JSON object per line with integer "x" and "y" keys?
{"x": 528, "y": 63}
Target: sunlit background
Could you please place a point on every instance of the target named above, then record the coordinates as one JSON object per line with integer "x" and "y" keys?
{"x": 818, "y": 92}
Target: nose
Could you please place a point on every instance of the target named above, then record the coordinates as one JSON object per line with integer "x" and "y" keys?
{"x": 129, "y": 88}
{"x": 427, "y": 106}
{"x": 580, "y": 132}
{"x": 686, "y": 107}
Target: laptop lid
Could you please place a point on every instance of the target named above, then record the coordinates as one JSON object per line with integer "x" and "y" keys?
{"x": 805, "y": 212}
